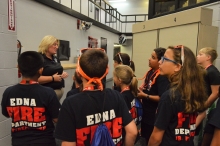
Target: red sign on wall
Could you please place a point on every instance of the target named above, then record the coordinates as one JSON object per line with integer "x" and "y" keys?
{"x": 11, "y": 15}
{"x": 93, "y": 42}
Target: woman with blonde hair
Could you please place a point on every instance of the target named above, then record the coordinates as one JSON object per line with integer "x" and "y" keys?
{"x": 178, "y": 107}
{"x": 53, "y": 75}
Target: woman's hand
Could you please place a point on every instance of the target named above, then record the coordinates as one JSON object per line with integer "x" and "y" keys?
{"x": 64, "y": 75}
{"x": 57, "y": 78}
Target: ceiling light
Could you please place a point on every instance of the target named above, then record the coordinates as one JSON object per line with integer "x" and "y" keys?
{"x": 114, "y": 1}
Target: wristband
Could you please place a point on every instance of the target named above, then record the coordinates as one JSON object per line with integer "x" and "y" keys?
{"x": 148, "y": 97}
{"x": 52, "y": 78}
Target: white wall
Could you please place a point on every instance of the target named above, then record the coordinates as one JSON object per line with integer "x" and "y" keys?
{"x": 128, "y": 47}
{"x": 8, "y": 70}
{"x": 36, "y": 20}
{"x": 216, "y": 22}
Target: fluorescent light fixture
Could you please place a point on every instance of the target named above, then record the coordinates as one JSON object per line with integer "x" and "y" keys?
{"x": 115, "y": 1}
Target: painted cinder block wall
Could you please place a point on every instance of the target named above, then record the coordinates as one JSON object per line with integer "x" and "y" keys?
{"x": 8, "y": 69}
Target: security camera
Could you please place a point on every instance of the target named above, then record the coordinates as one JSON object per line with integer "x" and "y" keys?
{"x": 86, "y": 25}
{"x": 122, "y": 39}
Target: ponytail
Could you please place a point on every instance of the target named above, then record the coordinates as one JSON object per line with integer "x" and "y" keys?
{"x": 132, "y": 65}
{"x": 134, "y": 86}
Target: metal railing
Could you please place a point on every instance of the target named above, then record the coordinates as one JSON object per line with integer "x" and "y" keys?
{"x": 106, "y": 14}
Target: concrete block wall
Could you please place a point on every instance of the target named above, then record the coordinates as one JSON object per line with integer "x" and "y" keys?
{"x": 8, "y": 69}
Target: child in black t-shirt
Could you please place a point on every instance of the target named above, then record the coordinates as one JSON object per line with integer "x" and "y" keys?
{"x": 32, "y": 107}
{"x": 205, "y": 58}
{"x": 77, "y": 84}
{"x": 80, "y": 113}
{"x": 178, "y": 107}
{"x": 125, "y": 80}
{"x": 150, "y": 92}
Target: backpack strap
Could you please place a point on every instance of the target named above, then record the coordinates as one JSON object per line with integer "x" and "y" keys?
{"x": 97, "y": 107}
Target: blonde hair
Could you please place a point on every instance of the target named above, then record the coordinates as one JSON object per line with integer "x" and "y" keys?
{"x": 211, "y": 52}
{"x": 46, "y": 42}
{"x": 126, "y": 75}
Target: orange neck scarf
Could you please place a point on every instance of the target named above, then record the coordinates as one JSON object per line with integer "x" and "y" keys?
{"x": 155, "y": 74}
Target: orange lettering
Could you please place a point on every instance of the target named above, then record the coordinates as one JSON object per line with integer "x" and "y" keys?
{"x": 82, "y": 135}
{"x": 117, "y": 127}
{"x": 26, "y": 114}
{"x": 178, "y": 138}
{"x": 38, "y": 117}
{"x": 14, "y": 111}
{"x": 133, "y": 113}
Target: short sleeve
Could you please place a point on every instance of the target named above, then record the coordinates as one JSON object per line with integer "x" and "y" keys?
{"x": 215, "y": 119}
{"x": 163, "y": 84}
{"x": 54, "y": 105}
{"x": 164, "y": 112}
{"x": 66, "y": 125}
{"x": 4, "y": 104}
{"x": 214, "y": 77}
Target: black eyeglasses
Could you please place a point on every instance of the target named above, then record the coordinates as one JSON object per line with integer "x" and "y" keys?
{"x": 164, "y": 58}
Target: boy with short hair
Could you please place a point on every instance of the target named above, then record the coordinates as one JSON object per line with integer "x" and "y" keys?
{"x": 32, "y": 107}
{"x": 205, "y": 58}
{"x": 80, "y": 114}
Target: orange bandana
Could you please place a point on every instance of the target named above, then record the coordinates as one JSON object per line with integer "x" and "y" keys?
{"x": 95, "y": 80}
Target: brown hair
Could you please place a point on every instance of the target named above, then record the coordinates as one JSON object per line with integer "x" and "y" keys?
{"x": 189, "y": 81}
{"x": 125, "y": 60}
{"x": 94, "y": 63}
{"x": 126, "y": 75}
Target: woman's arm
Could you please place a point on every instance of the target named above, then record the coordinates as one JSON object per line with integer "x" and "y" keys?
{"x": 47, "y": 79}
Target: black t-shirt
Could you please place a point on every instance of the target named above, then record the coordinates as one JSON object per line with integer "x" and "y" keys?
{"x": 50, "y": 68}
{"x": 212, "y": 78}
{"x": 158, "y": 88}
{"x": 116, "y": 88}
{"x": 130, "y": 101}
{"x": 215, "y": 119}
{"x": 32, "y": 108}
{"x": 72, "y": 92}
{"x": 79, "y": 117}
{"x": 179, "y": 127}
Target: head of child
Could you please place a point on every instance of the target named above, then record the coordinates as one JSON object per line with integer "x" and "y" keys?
{"x": 180, "y": 66}
{"x": 124, "y": 77}
{"x": 155, "y": 58}
{"x": 123, "y": 59}
{"x": 30, "y": 64}
{"x": 206, "y": 56}
{"x": 93, "y": 67}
